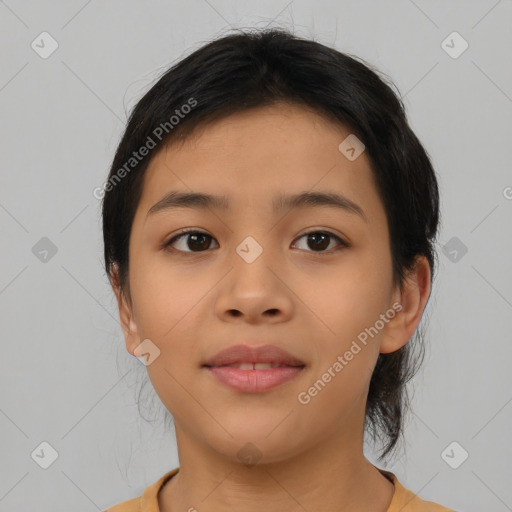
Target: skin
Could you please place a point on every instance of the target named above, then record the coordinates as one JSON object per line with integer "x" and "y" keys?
{"x": 311, "y": 302}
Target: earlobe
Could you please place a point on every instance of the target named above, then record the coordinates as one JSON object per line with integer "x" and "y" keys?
{"x": 413, "y": 297}
{"x": 128, "y": 324}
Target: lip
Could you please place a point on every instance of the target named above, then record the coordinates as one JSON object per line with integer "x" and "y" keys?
{"x": 239, "y": 354}
{"x": 223, "y": 367}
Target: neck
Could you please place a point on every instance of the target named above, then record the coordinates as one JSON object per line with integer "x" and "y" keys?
{"x": 331, "y": 475}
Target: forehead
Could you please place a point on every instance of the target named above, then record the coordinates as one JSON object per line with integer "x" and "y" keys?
{"x": 256, "y": 155}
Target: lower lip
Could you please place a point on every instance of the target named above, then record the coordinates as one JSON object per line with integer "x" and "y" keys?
{"x": 254, "y": 381}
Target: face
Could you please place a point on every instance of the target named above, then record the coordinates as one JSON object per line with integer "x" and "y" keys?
{"x": 308, "y": 278}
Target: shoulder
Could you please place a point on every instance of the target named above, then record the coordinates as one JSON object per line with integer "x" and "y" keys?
{"x": 405, "y": 500}
{"x": 148, "y": 501}
{"x": 132, "y": 505}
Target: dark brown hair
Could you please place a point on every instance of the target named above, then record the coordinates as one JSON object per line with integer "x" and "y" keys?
{"x": 260, "y": 67}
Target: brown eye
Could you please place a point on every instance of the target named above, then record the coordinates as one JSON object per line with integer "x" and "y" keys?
{"x": 197, "y": 241}
{"x": 318, "y": 241}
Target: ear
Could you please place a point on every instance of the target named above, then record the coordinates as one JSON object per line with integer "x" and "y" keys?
{"x": 413, "y": 297}
{"x": 127, "y": 320}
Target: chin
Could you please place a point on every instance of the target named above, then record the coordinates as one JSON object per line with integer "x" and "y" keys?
{"x": 253, "y": 444}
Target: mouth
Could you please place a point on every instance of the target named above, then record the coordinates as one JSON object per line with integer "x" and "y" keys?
{"x": 246, "y": 355}
{"x": 252, "y": 377}
{"x": 255, "y": 366}
{"x": 254, "y": 369}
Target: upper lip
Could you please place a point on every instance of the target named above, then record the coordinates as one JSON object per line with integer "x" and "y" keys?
{"x": 239, "y": 354}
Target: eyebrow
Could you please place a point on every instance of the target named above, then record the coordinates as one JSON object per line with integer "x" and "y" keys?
{"x": 175, "y": 200}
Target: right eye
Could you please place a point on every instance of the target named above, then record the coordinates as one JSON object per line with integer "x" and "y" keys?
{"x": 197, "y": 241}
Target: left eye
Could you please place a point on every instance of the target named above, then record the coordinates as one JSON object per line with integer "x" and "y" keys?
{"x": 197, "y": 240}
{"x": 320, "y": 239}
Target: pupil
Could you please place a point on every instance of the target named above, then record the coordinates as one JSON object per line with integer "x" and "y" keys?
{"x": 195, "y": 238}
{"x": 323, "y": 237}
{"x": 319, "y": 241}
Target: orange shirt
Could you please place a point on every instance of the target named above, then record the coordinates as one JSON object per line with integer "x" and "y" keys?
{"x": 403, "y": 499}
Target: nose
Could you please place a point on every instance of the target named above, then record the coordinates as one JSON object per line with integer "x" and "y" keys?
{"x": 255, "y": 292}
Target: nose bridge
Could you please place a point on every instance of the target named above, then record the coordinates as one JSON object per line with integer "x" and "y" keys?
{"x": 254, "y": 289}
{"x": 253, "y": 282}
{"x": 254, "y": 263}
{"x": 255, "y": 250}
{"x": 252, "y": 228}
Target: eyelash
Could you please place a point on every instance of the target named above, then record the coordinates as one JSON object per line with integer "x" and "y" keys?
{"x": 189, "y": 231}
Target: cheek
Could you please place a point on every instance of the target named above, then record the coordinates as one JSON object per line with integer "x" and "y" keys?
{"x": 349, "y": 298}
{"x": 164, "y": 294}
{"x": 164, "y": 306}
{"x": 333, "y": 396}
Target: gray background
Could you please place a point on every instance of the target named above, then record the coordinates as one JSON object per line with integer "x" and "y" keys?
{"x": 66, "y": 376}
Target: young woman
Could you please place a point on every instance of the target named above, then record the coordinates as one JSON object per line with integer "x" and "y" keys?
{"x": 269, "y": 226}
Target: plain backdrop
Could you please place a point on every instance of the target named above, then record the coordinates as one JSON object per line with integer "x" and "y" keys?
{"x": 66, "y": 378}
